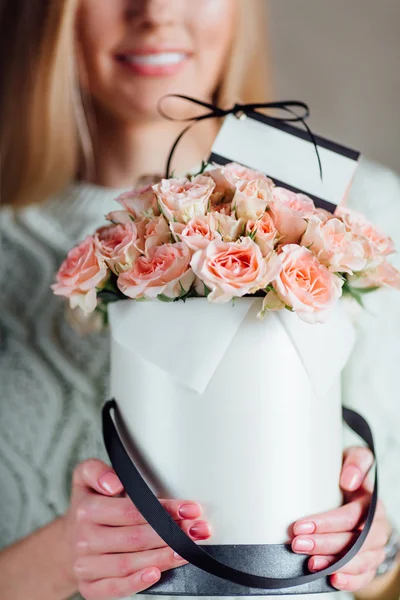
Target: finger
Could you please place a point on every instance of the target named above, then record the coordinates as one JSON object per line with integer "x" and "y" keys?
{"x": 336, "y": 543}
{"x": 100, "y": 539}
{"x": 91, "y": 568}
{"x": 96, "y": 475}
{"x": 361, "y": 563}
{"x": 352, "y": 583}
{"x": 345, "y": 518}
{"x": 119, "y": 587}
{"x": 122, "y": 511}
{"x": 356, "y": 465}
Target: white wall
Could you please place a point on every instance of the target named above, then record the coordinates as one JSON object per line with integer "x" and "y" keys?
{"x": 343, "y": 58}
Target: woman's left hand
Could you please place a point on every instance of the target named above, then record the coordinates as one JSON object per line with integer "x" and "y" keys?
{"x": 327, "y": 535}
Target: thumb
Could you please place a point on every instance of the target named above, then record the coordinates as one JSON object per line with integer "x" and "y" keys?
{"x": 356, "y": 465}
{"x": 95, "y": 475}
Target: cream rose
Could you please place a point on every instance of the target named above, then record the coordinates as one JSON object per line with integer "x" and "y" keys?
{"x": 80, "y": 274}
{"x": 165, "y": 270}
{"x": 334, "y": 245}
{"x": 236, "y": 174}
{"x": 289, "y": 212}
{"x": 305, "y": 285}
{"x": 375, "y": 243}
{"x": 140, "y": 202}
{"x": 228, "y": 228}
{"x": 263, "y": 232}
{"x": 182, "y": 199}
{"x": 222, "y": 195}
{"x": 156, "y": 233}
{"x": 251, "y": 199}
{"x": 233, "y": 269}
{"x": 117, "y": 245}
{"x": 196, "y": 234}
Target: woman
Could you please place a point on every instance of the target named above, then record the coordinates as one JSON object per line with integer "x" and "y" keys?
{"x": 87, "y": 75}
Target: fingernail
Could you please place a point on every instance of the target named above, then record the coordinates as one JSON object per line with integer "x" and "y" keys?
{"x": 340, "y": 581}
{"x": 319, "y": 563}
{"x": 151, "y": 575}
{"x": 177, "y": 557}
{"x": 351, "y": 478}
{"x": 110, "y": 483}
{"x": 189, "y": 511}
{"x": 200, "y": 531}
{"x": 304, "y": 527}
{"x": 302, "y": 545}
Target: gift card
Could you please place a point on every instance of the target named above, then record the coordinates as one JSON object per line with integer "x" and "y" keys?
{"x": 287, "y": 155}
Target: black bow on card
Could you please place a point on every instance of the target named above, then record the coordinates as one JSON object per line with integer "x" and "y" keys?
{"x": 241, "y": 111}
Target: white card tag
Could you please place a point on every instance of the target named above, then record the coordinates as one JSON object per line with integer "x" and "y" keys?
{"x": 287, "y": 155}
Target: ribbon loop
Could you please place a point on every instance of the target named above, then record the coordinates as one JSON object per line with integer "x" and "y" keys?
{"x": 241, "y": 111}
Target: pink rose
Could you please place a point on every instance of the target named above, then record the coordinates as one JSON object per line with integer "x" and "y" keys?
{"x": 382, "y": 274}
{"x": 289, "y": 211}
{"x": 305, "y": 285}
{"x": 233, "y": 269}
{"x": 117, "y": 245}
{"x": 375, "y": 243}
{"x": 334, "y": 245}
{"x": 196, "y": 234}
{"x": 182, "y": 199}
{"x": 82, "y": 271}
{"x": 236, "y": 174}
{"x": 263, "y": 232}
{"x": 165, "y": 270}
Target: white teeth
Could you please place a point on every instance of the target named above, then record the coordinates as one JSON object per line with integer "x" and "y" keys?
{"x": 160, "y": 59}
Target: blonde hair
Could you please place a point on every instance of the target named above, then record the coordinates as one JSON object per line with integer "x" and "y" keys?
{"x": 44, "y": 136}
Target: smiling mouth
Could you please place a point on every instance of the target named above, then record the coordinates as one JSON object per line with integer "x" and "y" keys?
{"x": 159, "y": 59}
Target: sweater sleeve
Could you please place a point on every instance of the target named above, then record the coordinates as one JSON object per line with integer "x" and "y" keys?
{"x": 371, "y": 378}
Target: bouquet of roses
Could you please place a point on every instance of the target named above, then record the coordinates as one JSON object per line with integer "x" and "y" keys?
{"x": 225, "y": 233}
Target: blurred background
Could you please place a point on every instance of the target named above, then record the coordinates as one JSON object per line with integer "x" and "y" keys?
{"x": 343, "y": 58}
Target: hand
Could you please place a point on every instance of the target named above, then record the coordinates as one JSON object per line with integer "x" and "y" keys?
{"x": 326, "y": 536}
{"x": 114, "y": 552}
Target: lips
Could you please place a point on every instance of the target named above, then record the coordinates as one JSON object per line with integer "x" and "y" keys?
{"x": 159, "y": 62}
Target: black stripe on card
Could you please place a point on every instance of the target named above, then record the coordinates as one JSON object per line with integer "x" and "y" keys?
{"x": 300, "y": 133}
{"x": 319, "y": 202}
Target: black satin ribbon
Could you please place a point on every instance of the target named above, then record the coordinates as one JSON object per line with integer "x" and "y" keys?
{"x": 155, "y": 514}
{"x": 215, "y": 112}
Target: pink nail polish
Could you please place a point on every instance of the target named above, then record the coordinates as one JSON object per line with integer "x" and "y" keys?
{"x": 351, "y": 478}
{"x": 151, "y": 575}
{"x": 200, "y": 530}
{"x": 340, "y": 581}
{"x": 303, "y": 545}
{"x": 304, "y": 527}
{"x": 110, "y": 483}
{"x": 189, "y": 511}
{"x": 319, "y": 563}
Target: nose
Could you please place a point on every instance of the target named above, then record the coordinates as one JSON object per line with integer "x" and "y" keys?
{"x": 155, "y": 12}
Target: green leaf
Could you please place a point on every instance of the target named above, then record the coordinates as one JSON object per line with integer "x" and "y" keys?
{"x": 252, "y": 235}
{"x": 206, "y": 290}
{"x": 164, "y": 298}
{"x": 353, "y": 293}
{"x": 204, "y": 165}
{"x": 132, "y": 218}
{"x": 367, "y": 290}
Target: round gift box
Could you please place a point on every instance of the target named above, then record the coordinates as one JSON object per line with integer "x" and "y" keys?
{"x": 241, "y": 415}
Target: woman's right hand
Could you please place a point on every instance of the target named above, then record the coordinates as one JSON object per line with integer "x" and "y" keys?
{"x": 114, "y": 552}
